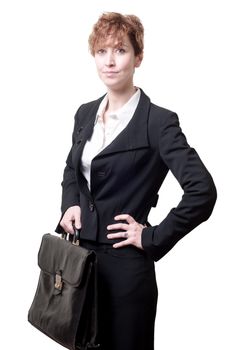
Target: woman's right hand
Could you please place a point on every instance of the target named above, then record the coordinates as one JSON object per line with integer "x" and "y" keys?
{"x": 71, "y": 217}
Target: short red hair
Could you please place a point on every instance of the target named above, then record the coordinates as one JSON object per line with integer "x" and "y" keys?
{"x": 117, "y": 25}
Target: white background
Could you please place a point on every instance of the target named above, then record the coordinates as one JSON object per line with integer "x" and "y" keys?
{"x": 46, "y": 73}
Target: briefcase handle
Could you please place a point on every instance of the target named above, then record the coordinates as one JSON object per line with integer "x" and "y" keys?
{"x": 74, "y": 238}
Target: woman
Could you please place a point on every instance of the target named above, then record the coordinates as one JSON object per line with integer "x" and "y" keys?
{"x": 123, "y": 147}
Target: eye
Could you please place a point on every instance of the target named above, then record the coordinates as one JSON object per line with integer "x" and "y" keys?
{"x": 101, "y": 51}
{"x": 120, "y": 50}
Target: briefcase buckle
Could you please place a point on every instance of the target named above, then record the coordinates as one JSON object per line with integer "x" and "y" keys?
{"x": 58, "y": 282}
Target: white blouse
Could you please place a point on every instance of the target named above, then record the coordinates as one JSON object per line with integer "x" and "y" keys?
{"x": 105, "y": 133}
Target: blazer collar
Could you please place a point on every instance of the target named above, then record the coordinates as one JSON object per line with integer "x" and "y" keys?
{"x": 135, "y": 135}
{"x": 132, "y": 137}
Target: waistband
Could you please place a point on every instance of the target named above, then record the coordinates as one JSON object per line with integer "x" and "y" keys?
{"x": 126, "y": 251}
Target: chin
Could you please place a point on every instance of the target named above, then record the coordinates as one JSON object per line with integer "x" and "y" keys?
{"x": 113, "y": 84}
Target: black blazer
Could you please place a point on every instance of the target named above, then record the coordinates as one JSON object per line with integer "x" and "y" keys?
{"x": 126, "y": 177}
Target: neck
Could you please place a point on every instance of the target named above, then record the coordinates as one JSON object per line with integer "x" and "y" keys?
{"x": 118, "y": 98}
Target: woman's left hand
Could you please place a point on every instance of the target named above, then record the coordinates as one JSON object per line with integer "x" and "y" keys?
{"x": 132, "y": 231}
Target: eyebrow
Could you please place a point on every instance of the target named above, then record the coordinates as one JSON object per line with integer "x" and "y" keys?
{"x": 104, "y": 44}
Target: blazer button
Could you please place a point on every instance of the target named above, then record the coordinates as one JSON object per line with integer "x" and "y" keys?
{"x": 79, "y": 130}
{"x": 78, "y": 142}
{"x": 91, "y": 206}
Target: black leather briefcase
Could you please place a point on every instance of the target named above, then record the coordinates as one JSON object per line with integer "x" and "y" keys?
{"x": 65, "y": 302}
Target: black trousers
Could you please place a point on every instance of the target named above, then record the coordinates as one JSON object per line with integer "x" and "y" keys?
{"x": 127, "y": 297}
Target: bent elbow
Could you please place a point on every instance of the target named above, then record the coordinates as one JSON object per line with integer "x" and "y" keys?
{"x": 210, "y": 201}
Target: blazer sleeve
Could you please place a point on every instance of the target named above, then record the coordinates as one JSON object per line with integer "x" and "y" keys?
{"x": 199, "y": 195}
{"x": 70, "y": 190}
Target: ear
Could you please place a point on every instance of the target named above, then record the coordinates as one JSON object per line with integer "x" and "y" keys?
{"x": 138, "y": 60}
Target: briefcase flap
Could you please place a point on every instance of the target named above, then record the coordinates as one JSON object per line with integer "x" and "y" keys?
{"x": 59, "y": 256}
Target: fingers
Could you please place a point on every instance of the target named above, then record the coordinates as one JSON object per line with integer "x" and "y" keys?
{"x": 122, "y": 226}
{"x": 71, "y": 217}
{"x": 126, "y": 217}
{"x": 132, "y": 231}
{"x": 121, "y": 244}
{"x": 119, "y": 226}
{"x": 77, "y": 221}
{"x": 68, "y": 227}
{"x": 117, "y": 235}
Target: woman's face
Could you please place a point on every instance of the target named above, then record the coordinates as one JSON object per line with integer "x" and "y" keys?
{"x": 116, "y": 63}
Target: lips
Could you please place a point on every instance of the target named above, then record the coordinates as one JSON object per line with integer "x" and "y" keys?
{"x": 110, "y": 72}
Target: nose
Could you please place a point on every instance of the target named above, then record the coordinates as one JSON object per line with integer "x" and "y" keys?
{"x": 109, "y": 62}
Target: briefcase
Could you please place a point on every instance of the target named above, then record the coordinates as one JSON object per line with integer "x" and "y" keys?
{"x": 65, "y": 303}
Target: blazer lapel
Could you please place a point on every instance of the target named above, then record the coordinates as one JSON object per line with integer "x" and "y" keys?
{"x": 84, "y": 133}
{"x": 135, "y": 135}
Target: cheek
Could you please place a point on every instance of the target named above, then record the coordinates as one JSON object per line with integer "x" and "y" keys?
{"x": 98, "y": 64}
{"x": 99, "y": 70}
{"x": 128, "y": 65}
{"x": 129, "y": 68}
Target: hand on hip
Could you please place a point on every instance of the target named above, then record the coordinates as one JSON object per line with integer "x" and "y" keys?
{"x": 132, "y": 231}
